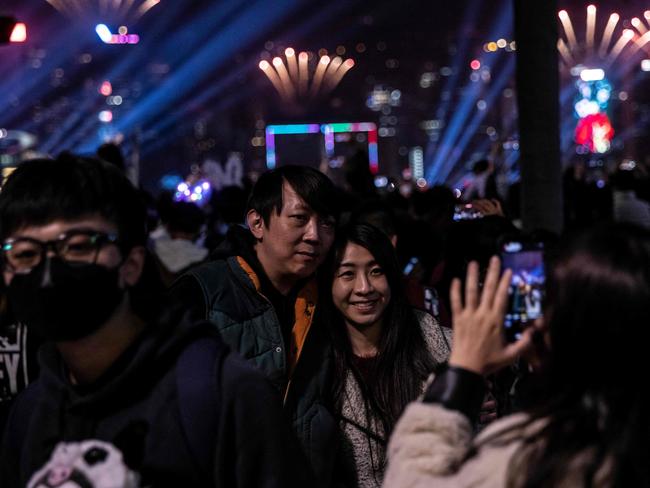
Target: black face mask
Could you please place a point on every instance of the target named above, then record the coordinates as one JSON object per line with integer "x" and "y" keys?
{"x": 63, "y": 302}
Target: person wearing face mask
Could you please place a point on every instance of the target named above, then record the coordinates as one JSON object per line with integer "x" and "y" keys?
{"x": 131, "y": 392}
{"x": 384, "y": 350}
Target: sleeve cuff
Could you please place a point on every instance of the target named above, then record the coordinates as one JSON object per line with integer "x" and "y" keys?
{"x": 457, "y": 389}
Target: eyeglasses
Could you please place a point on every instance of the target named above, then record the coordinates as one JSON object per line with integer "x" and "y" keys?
{"x": 22, "y": 254}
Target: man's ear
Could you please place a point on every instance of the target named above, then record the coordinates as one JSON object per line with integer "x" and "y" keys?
{"x": 255, "y": 223}
{"x": 131, "y": 269}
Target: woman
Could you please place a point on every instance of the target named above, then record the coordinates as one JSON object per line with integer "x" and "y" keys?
{"x": 383, "y": 349}
{"x": 591, "y": 429}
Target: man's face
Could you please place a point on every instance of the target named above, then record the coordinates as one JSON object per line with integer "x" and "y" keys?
{"x": 108, "y": 255}
{"x": 294, "y": 243}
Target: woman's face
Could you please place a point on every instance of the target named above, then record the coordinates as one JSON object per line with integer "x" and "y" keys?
{"x": 360, "y": 289}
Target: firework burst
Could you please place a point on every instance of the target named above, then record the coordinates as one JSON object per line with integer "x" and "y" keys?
{"x": 605, "y": 49}
{"x": 299, "y": 80}
{"x": 110, "y": 10}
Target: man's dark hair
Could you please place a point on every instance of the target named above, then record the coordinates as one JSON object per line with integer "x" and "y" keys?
{"x": 311, "y": 185}
{"x": 480, "y": 166}
{"x": 377, "y": 214}
{"x": 184, "y": 217}
{"x": 71, "y": 187}
{"x": 111, "y": 153}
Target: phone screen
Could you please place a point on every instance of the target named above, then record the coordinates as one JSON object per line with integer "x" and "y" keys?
{"x": 465, "y": 211}
{"x": 526, "y": 290}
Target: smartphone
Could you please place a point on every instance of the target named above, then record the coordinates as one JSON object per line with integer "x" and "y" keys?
{"x": 526, "y": 291}
{"x": 410, "y": 266}
{"x": 465, "y": 211}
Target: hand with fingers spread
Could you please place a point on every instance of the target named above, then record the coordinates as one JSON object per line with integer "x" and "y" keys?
{"x": 488, "y": 207}
{"x": 479, "y": 344}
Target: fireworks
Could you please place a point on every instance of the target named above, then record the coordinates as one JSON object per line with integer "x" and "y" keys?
{"x": 613, "y": 41}
{"x": 292, "y": 80}
{"x": 111, "y": 10}
{"x": 590, "y": 58}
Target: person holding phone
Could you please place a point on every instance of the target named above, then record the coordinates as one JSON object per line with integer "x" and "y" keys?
{"x": 525, "y": 259}
{"x": 383, "y": 349}
{"x": 591, "y": 427}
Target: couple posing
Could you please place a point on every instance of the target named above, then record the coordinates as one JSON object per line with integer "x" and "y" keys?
{"x": 345, "y": 349}
{"x": 135, "y": 386}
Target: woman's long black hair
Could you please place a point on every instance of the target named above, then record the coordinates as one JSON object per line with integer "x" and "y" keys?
{"x": 598, "y": 316}
{"x": 403, "y": 361}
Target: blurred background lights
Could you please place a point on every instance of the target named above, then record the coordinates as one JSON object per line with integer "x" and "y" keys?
{"x": 125, "y": 39}
{"x": 116, "y": 11}
{"x": 108, "y": 37}
{"x": 475, "y": 64}
{"x": 381, "y": 181}
{"x": 19, "y": 33}
{"x": 106, "y": 88}
{"x": 592, "y": 74}
{"x": 416, "y": 162}
{"x": 105, "y": 116}
{"x": 581, "y": 55}
{"x": 104, "y": 33}
{"x": 198, "y": 192}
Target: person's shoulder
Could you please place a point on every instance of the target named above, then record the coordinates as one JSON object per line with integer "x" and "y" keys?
{"x": 210, "y": 277}
{"x": 511, "y": 427}
{"x": 437, "y": 338}
{"x": 219, "y": 265}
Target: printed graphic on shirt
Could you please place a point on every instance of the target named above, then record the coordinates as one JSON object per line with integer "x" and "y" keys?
{"x": 14, "y": 368}
{"x": 86, "y": 464}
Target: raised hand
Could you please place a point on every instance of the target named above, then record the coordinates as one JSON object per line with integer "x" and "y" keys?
{"x": 488, "y": 207}
{"x": 479, "y": 344}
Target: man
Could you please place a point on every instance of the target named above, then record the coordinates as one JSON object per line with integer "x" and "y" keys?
{"x": 120, "y": 401}
{"x": 261, "y": 293}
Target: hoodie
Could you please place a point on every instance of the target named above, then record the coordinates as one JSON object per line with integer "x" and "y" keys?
{"x": 137, "y": 408}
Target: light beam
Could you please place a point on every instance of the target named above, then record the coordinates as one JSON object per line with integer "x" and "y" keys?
{"x": 318, "y": 75}
{"x": 607, "y": 35}
{"x": 568, "y": 29}
{"x": 303, "y": 73}
{"x": 591, "y": 27}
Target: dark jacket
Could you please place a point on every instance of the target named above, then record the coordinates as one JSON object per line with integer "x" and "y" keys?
{"x": 227, "y": 291}
{"x": 142, "y": 406}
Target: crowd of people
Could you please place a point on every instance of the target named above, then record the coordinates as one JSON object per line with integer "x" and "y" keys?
{"x": 303, "y": 334}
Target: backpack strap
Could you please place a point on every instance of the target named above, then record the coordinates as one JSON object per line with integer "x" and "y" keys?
{"x": 198, "y": 374}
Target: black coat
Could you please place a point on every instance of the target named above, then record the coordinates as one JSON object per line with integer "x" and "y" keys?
{"x": 228, "y": 295}
{"x": 226, "y": 431}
